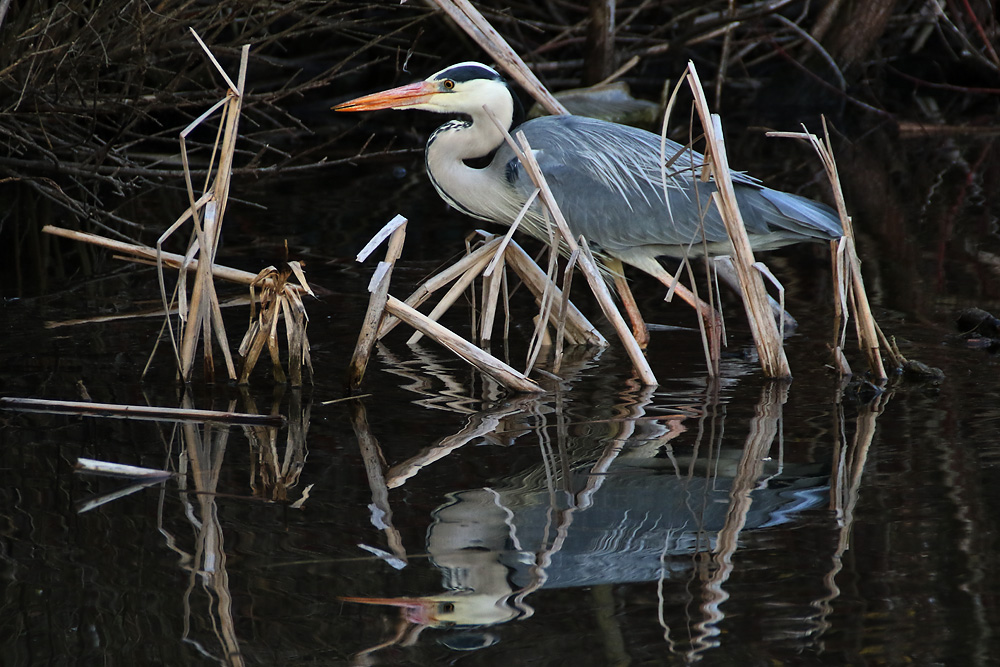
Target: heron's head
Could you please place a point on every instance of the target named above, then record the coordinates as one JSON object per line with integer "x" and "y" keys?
{"x": 462, "y": 609}
{"x": 461, "y": 89}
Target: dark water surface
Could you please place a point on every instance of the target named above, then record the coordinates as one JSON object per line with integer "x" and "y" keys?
{"x": 602, "y": 523}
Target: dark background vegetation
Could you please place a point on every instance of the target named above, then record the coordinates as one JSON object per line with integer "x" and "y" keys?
{"x": 94, "y": 94}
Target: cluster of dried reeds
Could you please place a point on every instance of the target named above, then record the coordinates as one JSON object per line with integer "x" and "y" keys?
{"x": 385, "y": 311}
{"x": 274, "y": 298}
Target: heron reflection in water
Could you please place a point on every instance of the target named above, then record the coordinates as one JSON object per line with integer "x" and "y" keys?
{"x": 639, "y": 517}
{"x": 609, "y": 180}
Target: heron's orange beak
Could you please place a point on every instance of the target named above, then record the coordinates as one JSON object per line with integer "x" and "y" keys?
{"x": 398, "y": 98}
{"x": 419, "y": 611}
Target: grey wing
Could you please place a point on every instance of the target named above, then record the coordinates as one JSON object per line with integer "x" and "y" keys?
{"x": 608, "y": 182}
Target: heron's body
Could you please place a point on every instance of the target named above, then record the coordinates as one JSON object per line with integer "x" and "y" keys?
{"x": 607, "y": 178}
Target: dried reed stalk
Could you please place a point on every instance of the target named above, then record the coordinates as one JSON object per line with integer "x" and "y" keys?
{"x": 203, "y": 317}
{"x": 541, "y": 337}
{"x": 850, "y": 295}
{"x": 492, "y": 281}
{"x": 762, "y": 324}
{"x": 120, "y": 470}
{"x": 472, "y": 22}
{"x": 143, "y": 412}
{"x": 564, "y": 309}
{"x": 487, "y": 363}
{"x": 141, "y": 253}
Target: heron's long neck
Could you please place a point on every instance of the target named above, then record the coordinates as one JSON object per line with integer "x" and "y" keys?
{"x": 473, "y": 191}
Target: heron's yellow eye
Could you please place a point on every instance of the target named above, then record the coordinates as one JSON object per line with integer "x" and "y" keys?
{"x": 448, "y": 84}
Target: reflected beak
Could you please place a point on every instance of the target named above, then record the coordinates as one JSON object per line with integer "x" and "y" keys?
{"x": 419, "y": 611}
{"x": 409, "y": 95}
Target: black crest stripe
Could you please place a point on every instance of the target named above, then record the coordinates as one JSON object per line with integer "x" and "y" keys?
{"x": 469, "y": 73}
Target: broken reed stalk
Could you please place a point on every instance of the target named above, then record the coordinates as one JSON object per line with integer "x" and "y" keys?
{"x": 203, "y": 317}
{"x": 851, "y": 295}
{"x": 485, "y": 362}
{"x": 378, "y": 287}
{"x": 476, "y": 26}
{"x": 491, "y": 295}
{"x": 454, "y": 293}
{"x": 762, "y": 324}
{"x": 141, "y": 253}
{"x": 424, "y": 291}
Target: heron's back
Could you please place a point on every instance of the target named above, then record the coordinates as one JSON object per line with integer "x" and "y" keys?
{"x": 608, "y": 181}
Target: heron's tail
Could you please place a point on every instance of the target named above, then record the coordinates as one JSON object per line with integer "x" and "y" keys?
{"x": 803, "y": 217}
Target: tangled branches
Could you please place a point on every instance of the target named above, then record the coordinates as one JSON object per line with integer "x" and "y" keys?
{"x": 94, "y": 94}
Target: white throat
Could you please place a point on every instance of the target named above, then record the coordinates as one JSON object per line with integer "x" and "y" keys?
{"x": 473, "y": 191}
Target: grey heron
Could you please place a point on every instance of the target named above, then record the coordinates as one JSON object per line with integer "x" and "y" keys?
{"x": 608, "y": 179}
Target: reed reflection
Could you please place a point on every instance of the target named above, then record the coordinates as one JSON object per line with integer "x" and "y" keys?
{"x": 203, "y": 449}
{"x": 202, "y": 552}
{"x": 275, "y": 472}
{"x": 849, "y": 460}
